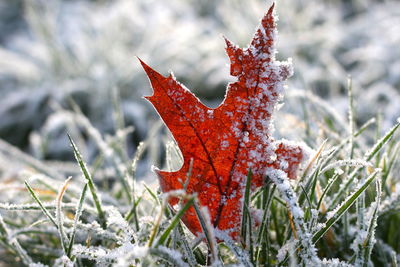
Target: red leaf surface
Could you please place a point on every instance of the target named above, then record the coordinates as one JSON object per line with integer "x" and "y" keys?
{"x": 226, "y": 142}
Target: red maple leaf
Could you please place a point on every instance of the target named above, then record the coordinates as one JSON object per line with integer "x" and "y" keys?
{"x": 226, "y": 142}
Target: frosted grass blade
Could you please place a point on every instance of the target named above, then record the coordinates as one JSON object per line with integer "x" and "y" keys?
{"x": 92, "y": 186}
{"x": 175, "y": 220}
{"x": 78, "y": 213}
{"x": 344, "y": 207}
{"x": 42, "y": 207}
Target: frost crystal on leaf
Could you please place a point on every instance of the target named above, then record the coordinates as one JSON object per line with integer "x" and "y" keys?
{"x": 226, "y": 142}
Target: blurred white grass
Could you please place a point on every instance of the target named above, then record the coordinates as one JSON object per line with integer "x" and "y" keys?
{"x": 84, "y": 49}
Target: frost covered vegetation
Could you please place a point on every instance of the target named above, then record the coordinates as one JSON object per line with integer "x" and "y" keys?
{"x": 341, "y": 211}
{"x": 79, "y": 76}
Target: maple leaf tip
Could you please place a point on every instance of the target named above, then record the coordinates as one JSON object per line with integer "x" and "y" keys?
{"x": 146, "y": 67}
{"x": 271, "y": 9}
{"x": 140, "y": 60}
{"x": 228, "y": 43}
{"x": 153, "y": 76}
{"x": 149, "y": 71}
{"x": 225, "y": 38}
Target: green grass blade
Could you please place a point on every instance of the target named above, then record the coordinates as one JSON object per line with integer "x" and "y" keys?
{"x": 104, "y": 147}
{"x": 205, "y": 224}
{"x": 369, "y": 240}
{"x": 78, "y": 214}
{"x": 268, "y": 195}
{"x": 364, "y": 127}
{"x": 132, "y": 213}
{"x": 246, "y": 212}
{"x": 152, "y": 194}
{"x": 42, "y": 207}
{"x": 186, "y": 247}
{"x": 92, "y": 186}
{"x": 59, "y": 216}
{"x": 262, "y": 238}
{"x": 390, "y": 164}
{"x": 344, "y": 207}
{"x": 175, "y": 220}
{"x": 328, "y": 186}
{"x": 368, "y": 156}
{"x": 381, "y": 142}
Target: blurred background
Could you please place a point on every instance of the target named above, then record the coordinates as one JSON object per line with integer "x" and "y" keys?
{"x": 59, "y": 58}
